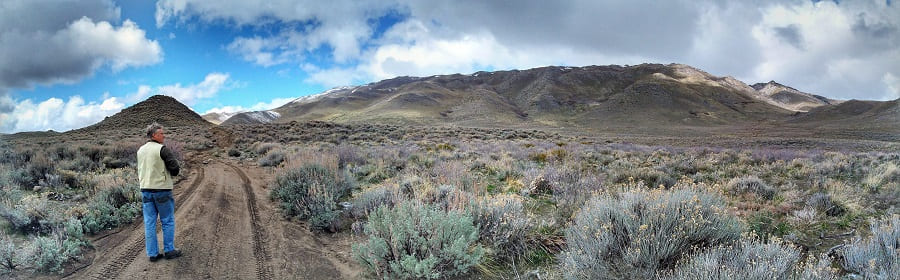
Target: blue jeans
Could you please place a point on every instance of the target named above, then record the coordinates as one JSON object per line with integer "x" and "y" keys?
{"x": 159, "y": 204}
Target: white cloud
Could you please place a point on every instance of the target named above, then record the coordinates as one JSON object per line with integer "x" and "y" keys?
{"x": 56, "y": 114}
{"x": 261, "y": 51}
{"x": 837, "y": 50}
{"x": 121, "y": 47}
{"x": 840, "y": 50}
{"x": 64, "y": 43}
{"x": 142, "y": 93}
{"x": 261, "y": 106}
{"x": 893, "y": 85}
{"x": 416, "y": 53}
{"x": 190, "y": 94}
{"x": 341, "y": 26}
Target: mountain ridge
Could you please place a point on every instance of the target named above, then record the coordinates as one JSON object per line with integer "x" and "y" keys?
{"x": 539, "y": 95}
{"x": 645, "y": 98}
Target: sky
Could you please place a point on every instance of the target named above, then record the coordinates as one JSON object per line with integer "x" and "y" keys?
{"x": 66, "y": 64}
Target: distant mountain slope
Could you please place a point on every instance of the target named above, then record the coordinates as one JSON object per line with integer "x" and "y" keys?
{"x": 218, "y": 118}
{"x": 855, "y": 113}
{"x": 252, "y": 117}
{"x": 790, "y": 98}
{"x": 593, "y": 96}
{"x": 162, "y": 109}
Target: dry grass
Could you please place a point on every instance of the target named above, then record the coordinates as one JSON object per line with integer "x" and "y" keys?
{"x": 788, "y": 191}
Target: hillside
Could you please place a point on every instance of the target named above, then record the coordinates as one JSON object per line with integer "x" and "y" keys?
{"x": 790, "y": 98}
{"x": 218, "y": 118}
{"x": 855, "y": 113}
{"x": 162, "y": 109}
{"x": 251, "y": 117}
{"x": 646, "y": 95}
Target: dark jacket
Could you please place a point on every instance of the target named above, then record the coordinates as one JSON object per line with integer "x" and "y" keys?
{"x": 169, "y": 159}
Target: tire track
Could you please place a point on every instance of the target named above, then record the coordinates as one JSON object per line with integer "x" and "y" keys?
{"x": 189, "y": 192}
{"x": 111, "y": 270}
{"x": 263, "y": 269}
{"x": 124, "y": 258}
{"x": 221, "y": 220}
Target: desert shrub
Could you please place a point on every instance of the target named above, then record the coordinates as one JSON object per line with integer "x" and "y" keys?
{"x": 62, "y": 152}
{"x": 877, "y": 257}
{"x": 39, "y": 168}
{"x": 651, "y": 177}
{"x": 112, "y": 207}
{"x": 9, "y": 260}
{"x": 126, "y": 153}
{"x": 20, "y": 177}
{"x": 502, "y": 224}
{"x": 751, "y": 184}
{"x": 29, "y": 215}
{"x": 748, "y": 258}
{"x": 46, "y": 254}
{"x": 369, "y": 200}
{"x": 114, "y": 163}
{"x": 816, "y": 269}
{"x": 310, "y": 192}
{"x": 640, "y": 231}
{"x": 80, "y": 163}
{"x": 199, "y": 145}
{"x": 572, "y": 189}
{"x": 413, "y": 241}
{"x": 766, "y": 225}
{"x": 94, "y": 153}
{"x": 264, "y": 148}
{"x": 273, "y": 158}
{"x": 448, "y": 197}
{"x": 823, "y": 202}
{"x": 49, "y": 253}
{"x": 9, "y": 155}
{"x": 349, "y": 154}
{"x": 883, "y": 177}
{"x": 559, "y": 154}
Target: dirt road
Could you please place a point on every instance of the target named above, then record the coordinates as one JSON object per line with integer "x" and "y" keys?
{"x": 228, "y": 229}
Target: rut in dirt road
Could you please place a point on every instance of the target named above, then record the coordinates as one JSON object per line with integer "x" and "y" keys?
{"x": 225, "y": 232}
{"x": 263, "y": 271}
{"x": 135, "y": 243}
{"x": 217, "y": 227}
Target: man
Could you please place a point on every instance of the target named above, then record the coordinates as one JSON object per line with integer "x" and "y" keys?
{"x": 156, "y": 165}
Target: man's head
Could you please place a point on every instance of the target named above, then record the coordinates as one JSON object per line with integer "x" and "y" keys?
{"x": 155, "y": 132}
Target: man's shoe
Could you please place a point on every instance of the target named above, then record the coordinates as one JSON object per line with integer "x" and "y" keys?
{"x": 173, "y": 254}
{"x": 156, "y": 258}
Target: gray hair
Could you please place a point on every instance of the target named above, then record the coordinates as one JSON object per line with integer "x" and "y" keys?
{"x": 152, "y": 128}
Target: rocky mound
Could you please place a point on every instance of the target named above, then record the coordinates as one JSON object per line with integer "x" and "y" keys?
{"x": 162, "y": 109}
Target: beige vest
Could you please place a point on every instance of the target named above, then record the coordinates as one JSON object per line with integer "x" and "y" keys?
{"x": 151, "y": 168}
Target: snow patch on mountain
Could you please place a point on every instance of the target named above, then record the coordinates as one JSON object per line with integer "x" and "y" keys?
{"x": 314, "y": 97}
{"x": 263, "y": 116}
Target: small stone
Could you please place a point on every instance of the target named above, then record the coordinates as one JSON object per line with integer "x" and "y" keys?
{"x": 37, "y": 188}
{"x": 346, "y": 205}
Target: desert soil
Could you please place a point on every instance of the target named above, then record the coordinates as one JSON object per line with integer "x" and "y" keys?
{"x": 227, "y": 228}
